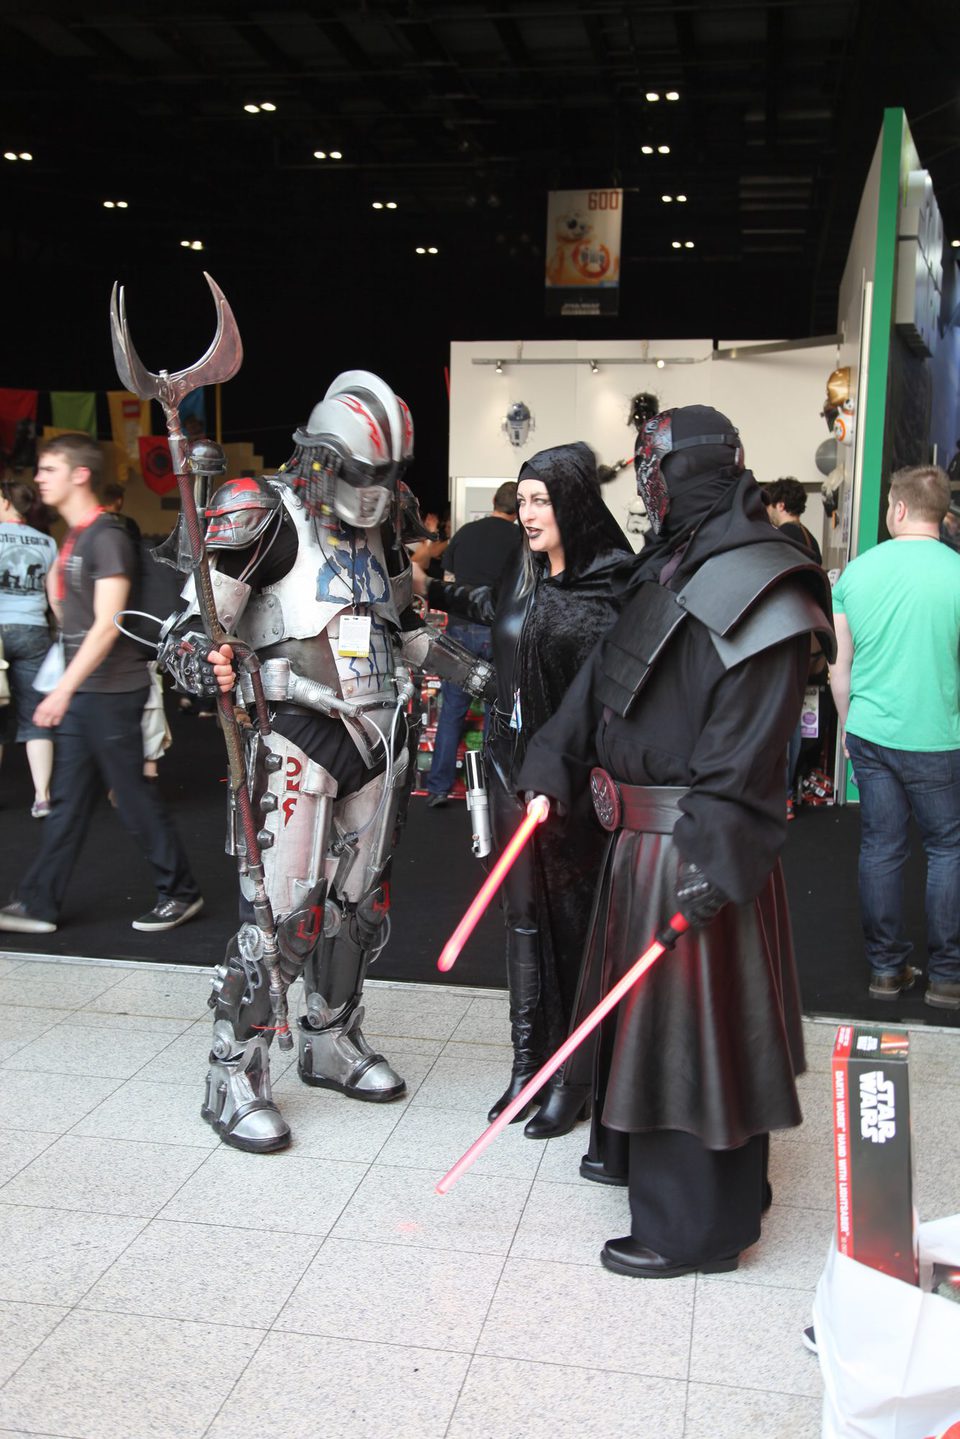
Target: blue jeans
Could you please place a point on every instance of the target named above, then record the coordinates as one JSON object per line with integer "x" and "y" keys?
{"x": 454, "y": 703}
{"x": 895, "y": 784}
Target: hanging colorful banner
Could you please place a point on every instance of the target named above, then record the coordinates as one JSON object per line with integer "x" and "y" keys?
{"x": 583, "y": 252}
{"x": 156, "y": 466}
{"x": 15, "y": 407}
{"x": 74, "y": 410}
{"x": 129, "y": 419}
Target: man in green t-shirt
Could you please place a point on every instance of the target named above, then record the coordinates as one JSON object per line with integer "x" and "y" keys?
{"x": 896, "y": 684}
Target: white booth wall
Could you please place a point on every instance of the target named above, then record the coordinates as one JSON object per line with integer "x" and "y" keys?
{"x": 774, "y": 400}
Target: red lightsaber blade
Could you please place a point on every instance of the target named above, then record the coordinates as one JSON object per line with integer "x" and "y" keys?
{"x": 665, "y": 940}
{"x": 537, "y": 811}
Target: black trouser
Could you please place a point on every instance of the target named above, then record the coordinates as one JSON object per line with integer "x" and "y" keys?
{"x": 694, "y": 1204}
{"x": 99, "y": 746}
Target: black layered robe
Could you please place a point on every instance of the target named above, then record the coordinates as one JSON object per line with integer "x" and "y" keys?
{"x": 709, "y": 1042}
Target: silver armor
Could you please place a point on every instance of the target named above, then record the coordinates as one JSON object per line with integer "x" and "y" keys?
{"x": 328, "y": 637}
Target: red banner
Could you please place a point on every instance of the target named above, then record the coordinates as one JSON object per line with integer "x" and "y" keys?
{"x": 156, "y": 466}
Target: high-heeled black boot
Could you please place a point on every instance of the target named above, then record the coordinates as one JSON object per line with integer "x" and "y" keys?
{"x": 563, "y": 1106}
{"x": 523, "y": 977}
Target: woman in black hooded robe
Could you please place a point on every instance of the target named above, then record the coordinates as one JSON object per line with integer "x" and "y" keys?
{"x": 546, "y": 613}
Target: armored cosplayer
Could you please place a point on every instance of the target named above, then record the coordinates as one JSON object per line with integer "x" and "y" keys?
{"x": 313, "y": 585}
{"x": 679, "y": 723}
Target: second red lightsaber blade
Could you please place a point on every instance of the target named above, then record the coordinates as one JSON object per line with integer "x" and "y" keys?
{"x": 537, "y": 811}
{"x": 596, "y": 1016}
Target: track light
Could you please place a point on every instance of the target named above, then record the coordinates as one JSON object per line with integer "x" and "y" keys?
{"x": 594, "y": 368}
{"x": 498, "y": 368}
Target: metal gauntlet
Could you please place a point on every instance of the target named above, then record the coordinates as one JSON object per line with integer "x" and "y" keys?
{"x": 183, "y": 654}
{"x": 435, "y": 653}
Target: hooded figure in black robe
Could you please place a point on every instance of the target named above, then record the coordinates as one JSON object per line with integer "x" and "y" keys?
{"x": 543, "y": 628}
{"x": 687, "y": 706}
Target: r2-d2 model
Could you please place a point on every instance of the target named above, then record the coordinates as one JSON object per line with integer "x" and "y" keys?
{"x": 309, "y": 569}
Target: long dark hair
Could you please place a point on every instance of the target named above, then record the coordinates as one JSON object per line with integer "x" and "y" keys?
{"x": 587, "y": 528}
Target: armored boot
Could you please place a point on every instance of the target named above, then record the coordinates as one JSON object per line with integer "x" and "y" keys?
{"x": 333, "y": 1051}
{"x": 523, "y": 977}
{"x": 238, "y": 1102}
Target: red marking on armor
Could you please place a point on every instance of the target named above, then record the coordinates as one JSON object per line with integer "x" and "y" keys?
{"x": 382, "y": 905}
{"x": 310, "y": 933}
{"x": 407, "y": 424}
{"x": 294, "y": 768}
{"x": 354, "y": 404}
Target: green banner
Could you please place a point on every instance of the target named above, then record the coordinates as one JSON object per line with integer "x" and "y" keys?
{"x": 75, "y": 410}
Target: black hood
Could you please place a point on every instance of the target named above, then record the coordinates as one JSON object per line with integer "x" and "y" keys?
{"x": 587, "y": 528}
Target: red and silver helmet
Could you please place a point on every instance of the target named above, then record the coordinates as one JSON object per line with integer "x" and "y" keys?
{"x": 667, "y": 433}
{"x": 351, "y": 450}
{"x": 239, "y": 512}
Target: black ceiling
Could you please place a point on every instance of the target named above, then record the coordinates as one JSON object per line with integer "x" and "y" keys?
{"x": 465, "y": 115}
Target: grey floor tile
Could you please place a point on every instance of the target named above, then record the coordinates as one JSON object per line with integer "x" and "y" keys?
{"x": 388, "y": 1293}
{"x": 801, "y": 1173}
{"x": 155, "y": 1113}
{"x": 103, "y": 1176}
{"x": 330, "y": 1126}
{"x": 53, "y": 1102}
{"x": 815, "y": 1091}
{"x": 9, "y": 965}
{"x": 22, "y": 1328}
{"x": 340, "y": 1389}
{"x": 434, "y": 1139}
{"x": 558, "y": 1312}
{"x": 934, "y": 1058}
{"x": 570, "y": 1223}
{"x": 95, "y": 1378}
{"x": 106, "y": 1024}
{"x": 933, "y": 1110}
{"x": 749, "y": 1336}
{"x": 396, "y": 1046}
{"x": 401, "y": 1206}
{"x": 468, "y": 1084}
{"x": 66, "y": 1049}
{"x": 504, "y": 1399}
{"x": 162, "y": 994}
{"x": 725, "y": 1413}
{"x": 487, "y": 1021}
{"x": 561, "y": 1158}
{"x": 185, "y": 1060}
{"x": 792, "y": 1249}
{"x": 280, "y": 1192}
{"x": 64, "y": 1252}
{"x": 27, "y": 1022}
{"x": 414, "y": 1012}
{"x": 204, "y": 1272}
{"x": 18, "y": 1147}
{"x": 501, "y": 1054}
{"x": 58, "y": 986}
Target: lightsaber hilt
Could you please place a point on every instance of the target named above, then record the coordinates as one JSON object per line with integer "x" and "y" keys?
{"x": 670, "y": 934}
{"x": 478, "y": 804}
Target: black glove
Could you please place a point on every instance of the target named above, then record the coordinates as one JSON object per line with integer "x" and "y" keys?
{"x": 183, "y": 654}
{"x": 698, "y": 899}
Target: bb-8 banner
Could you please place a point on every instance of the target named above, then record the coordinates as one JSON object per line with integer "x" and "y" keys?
{"x": 583, "y": 252}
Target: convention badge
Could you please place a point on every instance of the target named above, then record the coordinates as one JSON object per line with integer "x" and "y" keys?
{"x": 353, "y": 641}
{"x": 515, "y": 720}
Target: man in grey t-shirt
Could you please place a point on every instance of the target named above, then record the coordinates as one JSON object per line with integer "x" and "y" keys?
{"x": 95, "y": 707}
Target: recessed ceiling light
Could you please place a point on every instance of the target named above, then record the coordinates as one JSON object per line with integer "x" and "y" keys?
{"x": 667, "y": 199}
{"x": 336, "y": 154}
{"x": 653, "y": 95}
{"x": 196, "y": 244}
{"x": 955, "y": 244}
{"x": 10, "y": 155}
{"x": 377, "y": 205}
{"x": 675, "y": 245}
{"x": 252, "y": 109}
{"x": 115, "y": 205}
{"x": 663, "y": 149}
{"x": 108, "y": 204}
{"x": 122, "y": 205}
{"x": 319, "y": 154}
{"x": 688, "y": 244}
{"x": 184, "y": 244}
{"x": 672, "y": 95}
{"x": 25, "y": 155}
{"x": 646, "y": 149}
{"x": 421, "y": 250}
{"x": 268, "y": 105}
{"x": 432, "y": 250}
{"x": 681, "y": 199}
{"x": 391, "y": 204}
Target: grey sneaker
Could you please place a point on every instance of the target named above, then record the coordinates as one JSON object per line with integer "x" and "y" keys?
{"x": 167, "y": 914}
{"x": 17, "y": 918}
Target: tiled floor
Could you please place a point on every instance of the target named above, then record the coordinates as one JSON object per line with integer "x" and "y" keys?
{"x": 157, "y": 1285}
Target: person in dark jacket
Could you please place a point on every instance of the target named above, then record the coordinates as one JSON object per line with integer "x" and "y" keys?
{"x": 678, "y": 725}
{"x": 553, "y": 602}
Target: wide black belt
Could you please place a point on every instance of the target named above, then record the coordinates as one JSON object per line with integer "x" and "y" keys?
{"x": 653, "y": 809}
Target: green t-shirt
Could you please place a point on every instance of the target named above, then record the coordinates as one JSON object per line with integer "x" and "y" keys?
{"x": 902, "y": 603}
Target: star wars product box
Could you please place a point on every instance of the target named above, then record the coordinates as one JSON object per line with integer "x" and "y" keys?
{"x": 876, "y": 1219}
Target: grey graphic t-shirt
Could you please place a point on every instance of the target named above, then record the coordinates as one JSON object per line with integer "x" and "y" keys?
{"x": 25, "y": 557}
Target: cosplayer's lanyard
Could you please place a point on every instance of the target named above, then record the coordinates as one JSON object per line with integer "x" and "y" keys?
{"x": 66, "y": 551}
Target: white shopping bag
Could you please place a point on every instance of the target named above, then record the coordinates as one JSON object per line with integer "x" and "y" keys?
{"x": 889, "y": 1351}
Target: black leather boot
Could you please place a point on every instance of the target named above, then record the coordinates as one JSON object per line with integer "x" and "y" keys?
{"x": 523, "y": 977}
{"x": 563, "y": 1106}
